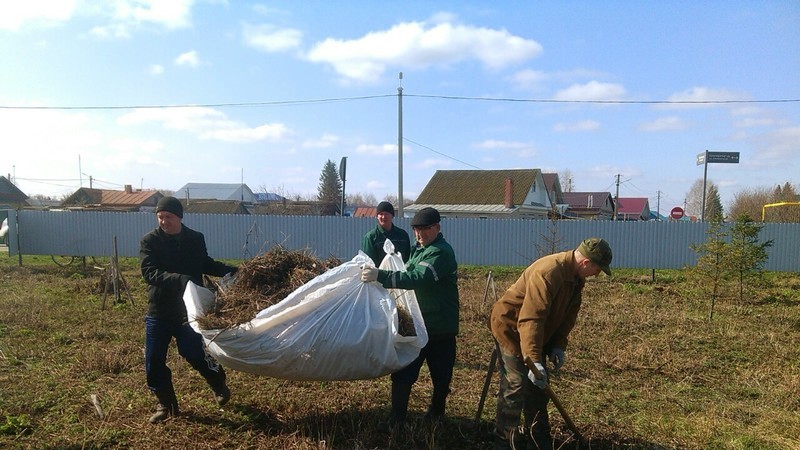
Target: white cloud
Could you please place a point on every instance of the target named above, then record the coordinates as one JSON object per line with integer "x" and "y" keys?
{"x": 592, "y": 91}
{"x": 379, "y": 149}
{"x": 189, "y": 58}
{"x": 492, "y": 144}
{"x": 16, "y": 14}
{"x": 421, "y": 45}
{"x": 171, "y": 14}
{"x": 528, "y": 79}
{"x": 583, "y": 125}
{"x": 326, "y": 141}
{"x": 699, "y": 97}
{"x": 433, "y": 163}
{"x": 672, "y": 123}
{"x": 205, "y": 123}
{"x": 751, "y": 122}
{"x": 156, "y": 69}
{"x": 779, "y": 147}
{"x": 269, "y": 38}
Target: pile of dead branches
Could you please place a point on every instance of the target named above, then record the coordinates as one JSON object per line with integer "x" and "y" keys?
{"x": 260, "y": 283}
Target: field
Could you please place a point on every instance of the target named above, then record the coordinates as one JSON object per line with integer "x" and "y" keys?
{"x": 645, "y": 369}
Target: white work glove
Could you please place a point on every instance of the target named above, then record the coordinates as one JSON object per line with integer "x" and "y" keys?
{"x": 557, "y": 357}
{"x": 369, "y": 274}
{"x": 541, "y": 383}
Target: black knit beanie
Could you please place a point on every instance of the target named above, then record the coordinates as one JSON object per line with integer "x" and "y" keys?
{"x": 170, "y": 204}
{"x": 385, "y": 207}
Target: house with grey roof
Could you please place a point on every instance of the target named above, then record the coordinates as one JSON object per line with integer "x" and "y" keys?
{"x": 10, "y": 195}
{"x": 589, "y": 205}
{"x": 512, "y": 193}
{"x": 215, "y": 191}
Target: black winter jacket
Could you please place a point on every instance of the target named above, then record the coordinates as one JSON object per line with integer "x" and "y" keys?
{"x": 168, "y": 263}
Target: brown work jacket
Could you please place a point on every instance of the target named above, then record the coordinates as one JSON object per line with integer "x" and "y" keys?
{"x": 539, "y": 309}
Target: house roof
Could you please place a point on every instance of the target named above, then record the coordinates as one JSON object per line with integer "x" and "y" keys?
{"x": 553, "y": 185}
{"x": 10, "y": 193}
{"x": 638, "y": 207}
{"x": 215, "y": 191}
{"x": 214, "y": 207}
{"x": 268, "y": 197}
{"x": 593, "y": 200}
{"x": 111, "y": 198}
{"x": 476, "y": 187}
{"x": 365, "y": 211}
{"x": 632, "y": 205}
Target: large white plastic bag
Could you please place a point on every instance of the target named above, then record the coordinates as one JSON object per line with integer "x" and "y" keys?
{"x": 334, "y": 327}
{"x": 407, "y": 298}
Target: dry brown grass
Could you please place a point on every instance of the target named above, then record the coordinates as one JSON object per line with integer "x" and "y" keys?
{"x": 645, "y": 370}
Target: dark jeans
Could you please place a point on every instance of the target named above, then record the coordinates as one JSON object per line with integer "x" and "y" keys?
{"x": 440, "y": 354}
{"x": 158, "y": 335}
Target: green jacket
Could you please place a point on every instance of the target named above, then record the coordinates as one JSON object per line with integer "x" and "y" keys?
{"x": 432, "y": 273}
{"x": 372, "y": 243}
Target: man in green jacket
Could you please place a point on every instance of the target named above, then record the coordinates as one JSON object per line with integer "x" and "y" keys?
{"x": 530, "y": 322}
{"x": 372, "y": 243}
{"x": 431, "y": 272}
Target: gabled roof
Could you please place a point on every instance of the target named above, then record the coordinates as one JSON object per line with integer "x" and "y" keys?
{"x": 214, "y": 207}
{"x": 553, "y": 186}
{"x": 10, "y": 193}
{"x": 592, "y": 200}
{"x": 111, "y": 198}
{"x": 262, "y": 197}
{"x": 476, "y": 187}
{"x": 215, "y": 191}
{"x": 637, "y": 208}
{"x": 365, "y": 211}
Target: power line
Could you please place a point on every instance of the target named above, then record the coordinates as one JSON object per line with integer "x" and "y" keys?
{"x": 440, "y": 153}
{"x": 200, "y": 105}
{"x": 612, "y": 102}
{"x": 370, "y": 97}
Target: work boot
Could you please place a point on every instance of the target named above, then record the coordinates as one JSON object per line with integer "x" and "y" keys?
{"x": 540, "y": 435}
{"x": 167, "y": 407}
{"x": 222, "y": 395}
{"x": 510, "y": 439}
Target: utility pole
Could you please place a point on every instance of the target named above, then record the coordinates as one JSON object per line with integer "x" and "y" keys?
{"x": 616, "y": 199}
{"x": 658, "y": 205}
{"x": 400, "y": 145}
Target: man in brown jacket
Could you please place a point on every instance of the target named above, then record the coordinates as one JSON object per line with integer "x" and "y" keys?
{"x": 530, "y": 321}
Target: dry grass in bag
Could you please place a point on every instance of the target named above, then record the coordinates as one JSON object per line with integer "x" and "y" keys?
{"x": 262, "y": 282}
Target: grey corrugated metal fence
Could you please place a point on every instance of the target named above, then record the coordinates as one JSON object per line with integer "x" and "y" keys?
{"x": 650, "y": 245}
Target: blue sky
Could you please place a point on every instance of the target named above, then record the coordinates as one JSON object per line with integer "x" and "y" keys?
{"x": 267, "y": 92}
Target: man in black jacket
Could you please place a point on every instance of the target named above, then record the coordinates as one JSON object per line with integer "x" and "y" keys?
{"x": 171, "y": 256}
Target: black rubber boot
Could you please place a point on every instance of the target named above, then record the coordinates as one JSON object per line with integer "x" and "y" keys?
{"x": 167, "y": 406}
{"x": 397, "y": 415}
{"x": 436, "y": 409}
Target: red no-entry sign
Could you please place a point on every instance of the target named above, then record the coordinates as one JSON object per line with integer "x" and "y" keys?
{"x": 676, "y": 213}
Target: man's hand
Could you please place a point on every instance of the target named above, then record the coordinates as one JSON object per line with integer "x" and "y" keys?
{"x": 541, "y": 382}
{"x": 557, "y": 357}
{"x": 369, "y": 274}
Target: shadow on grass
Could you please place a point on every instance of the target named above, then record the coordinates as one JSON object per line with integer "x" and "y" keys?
{"x": 351, "y": 428}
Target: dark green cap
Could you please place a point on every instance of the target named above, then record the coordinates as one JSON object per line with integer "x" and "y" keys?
{"x": 598, "y": 251}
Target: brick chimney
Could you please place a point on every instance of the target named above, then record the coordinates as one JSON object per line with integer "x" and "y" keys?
{"x": 508, "y": 199}
{"x": 128, "y": 189}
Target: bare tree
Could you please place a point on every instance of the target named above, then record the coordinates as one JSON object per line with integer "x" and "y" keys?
{"x": 694, "y": 200}
{"x": 359, "y": 199}
{"x": 567, "y": 180}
